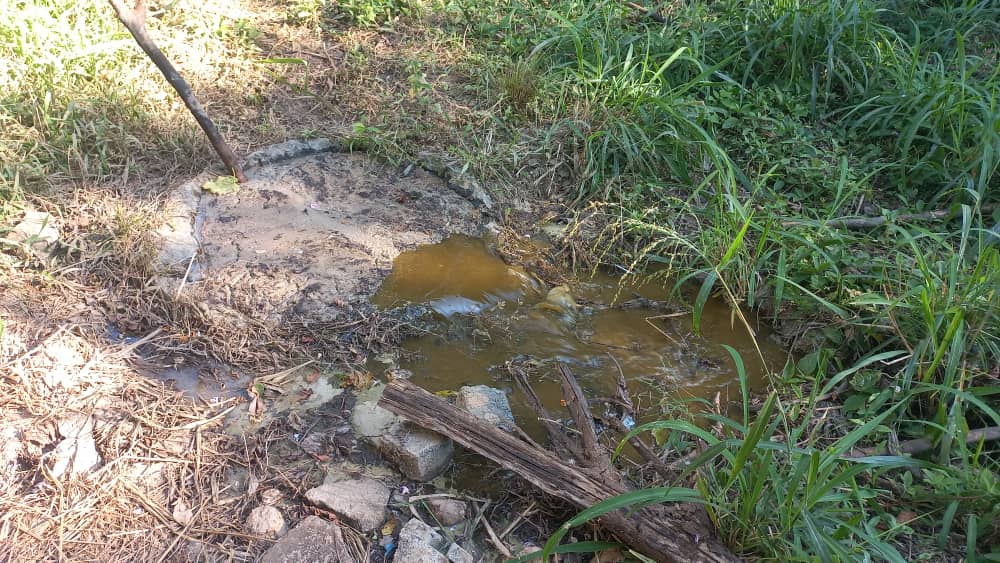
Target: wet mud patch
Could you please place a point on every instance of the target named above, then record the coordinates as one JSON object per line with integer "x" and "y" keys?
{"x": 315, "y": 229}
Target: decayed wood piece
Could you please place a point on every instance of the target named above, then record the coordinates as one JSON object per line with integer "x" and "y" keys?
{"x": 134, "y": 19}
{"x": 666, "y": 533}
{"x": 594, "y": 455}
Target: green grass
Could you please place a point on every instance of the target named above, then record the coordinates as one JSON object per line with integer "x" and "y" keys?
{"x": 725, "y": 145}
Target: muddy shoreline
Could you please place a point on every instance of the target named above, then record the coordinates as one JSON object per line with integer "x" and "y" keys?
{"x": 258, "y": 323}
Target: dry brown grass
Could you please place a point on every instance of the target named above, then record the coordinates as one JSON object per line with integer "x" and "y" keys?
{"x": 159, "y": 448}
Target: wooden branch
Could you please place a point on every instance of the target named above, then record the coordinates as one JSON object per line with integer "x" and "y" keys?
{"x": 648, "y": 13}
{"x": 594, "y": 454}
{"x": 921, "y": 445}
{"x": 134, "y": 20}
{"x": 665, "y": 533}
{"x": 860, "y": 223}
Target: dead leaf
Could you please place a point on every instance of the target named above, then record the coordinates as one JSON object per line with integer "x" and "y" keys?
{"x": 256, "y": 407}
{"x": 312, "y": 376}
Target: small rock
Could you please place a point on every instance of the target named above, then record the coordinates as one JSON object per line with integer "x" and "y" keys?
{"x": 458, "y": 554}
{"x": 361, "y": 502}
{"x": 419, "y": 543}
{"x": 447, "y": 511}
{"x": 266, "y": 521}
{"x": 487, "y": 404}
{"x": 419, "y": 453}
{"x": 314, "y": 540}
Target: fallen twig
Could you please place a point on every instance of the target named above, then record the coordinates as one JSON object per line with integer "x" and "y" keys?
{"x": 860, "y": 223}
{"x": 921, "y": 445}
{"x": 495, "y": 540}
{"x": 648, "y": 13}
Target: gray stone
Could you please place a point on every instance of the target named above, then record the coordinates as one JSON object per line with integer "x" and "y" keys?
{"x": 289, "y": 150}
{"x": 314, "y": 540}
{"x": 369, "y": 420}
{"x": 487, "y": 404}
{"x": 419, "y": 453}
{"x": 266, "y": 521}
{"x": 419, "y": 543}
{"x": 448, "y": 511}
{"x": 458, "y": 554}
{"x": 361, "y": 502}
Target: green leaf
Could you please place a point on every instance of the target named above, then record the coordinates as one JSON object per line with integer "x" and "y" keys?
{"x": 283, "y": 60}
{"x": 701, "y": 299}
{"x": 222, "y": 185}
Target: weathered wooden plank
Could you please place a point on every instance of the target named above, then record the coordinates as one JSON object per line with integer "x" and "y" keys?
{"x": 664, "y": 533}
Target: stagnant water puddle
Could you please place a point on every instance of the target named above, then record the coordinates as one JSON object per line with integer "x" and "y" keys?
{"x": 489, "y": 313}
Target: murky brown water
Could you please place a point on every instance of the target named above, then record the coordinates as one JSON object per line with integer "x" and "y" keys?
{"x": 658, "y": 351}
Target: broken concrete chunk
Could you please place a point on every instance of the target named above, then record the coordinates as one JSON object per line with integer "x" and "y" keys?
{"x": 448, "y": 511}
{"x": 314, "y": 540}
{"x": 419, "y": 543}
{"x": 266, "y": 521}
{"x": 487, "y": 404}
{"x": 177, "y": 240}
{"x": 458, "y": 554}
{"x": 361, "y": 502}
{"x": 417, "y": 452}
